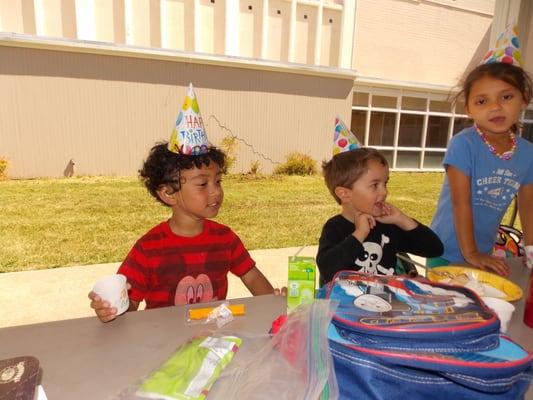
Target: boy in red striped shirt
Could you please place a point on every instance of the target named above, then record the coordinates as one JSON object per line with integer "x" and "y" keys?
{"x": 186, "y": 259}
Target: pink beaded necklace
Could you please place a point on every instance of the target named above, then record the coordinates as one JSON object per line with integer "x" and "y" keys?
{"x": 506, "y": 155}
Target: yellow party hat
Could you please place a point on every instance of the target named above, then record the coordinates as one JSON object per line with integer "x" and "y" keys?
{"x": 188, "y": 136}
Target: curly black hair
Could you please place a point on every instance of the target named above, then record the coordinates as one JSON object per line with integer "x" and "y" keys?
{"x": 162, "y": 167}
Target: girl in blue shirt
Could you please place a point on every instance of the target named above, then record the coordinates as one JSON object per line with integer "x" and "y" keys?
{"x": 486, "y": 166}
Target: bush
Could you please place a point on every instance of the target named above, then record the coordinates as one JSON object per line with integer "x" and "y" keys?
{"x": 3, "y": 168}
{"x": 297, "y": 164}
{"x": 255, "y": 168}
{"x": 229, "y": 145}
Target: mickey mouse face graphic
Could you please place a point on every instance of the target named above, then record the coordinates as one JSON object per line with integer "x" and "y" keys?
{"x": 194, "y": 290}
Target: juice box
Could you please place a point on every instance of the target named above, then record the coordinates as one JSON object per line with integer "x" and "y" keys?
{"x": 301, "y": 284}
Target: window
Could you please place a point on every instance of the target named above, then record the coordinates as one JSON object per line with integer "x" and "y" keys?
{"x": 414, "y": 103}
{"x": 527, "y": 132}
{"x": 437, "y": 134}
{"x": 411, "y": 129}
{"x": 459, "y": 124}
{"x": 360, "y": 99}
{"x": 384, "y": 101}
{"x": 459, "y": 107}
{"x": 408, "y": 159}
{"x": 433, "y": 159}
{"x": 389, "y": 154}
{"x": 381, "y": 128}
{"x": 359, "y": 124}
{"x": 440, "y": 106}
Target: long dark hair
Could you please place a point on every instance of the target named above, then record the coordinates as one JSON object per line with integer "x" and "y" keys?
{"x": 508, "y": 73}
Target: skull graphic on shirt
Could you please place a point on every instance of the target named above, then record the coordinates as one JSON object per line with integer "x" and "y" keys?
{"x": 369, "y": 261}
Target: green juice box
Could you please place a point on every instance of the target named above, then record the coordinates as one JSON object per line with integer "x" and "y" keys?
{"x": 301, "y": 284}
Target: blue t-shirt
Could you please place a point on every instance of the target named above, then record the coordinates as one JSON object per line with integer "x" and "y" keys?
{"x": 493, "y": 184}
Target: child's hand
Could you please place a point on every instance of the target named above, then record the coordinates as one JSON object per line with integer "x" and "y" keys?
{"x": 103, "y": 309}
{"x": 280, "y": 292}
{"x": 364, "y": 223}
{"x": 489, "y": 263}
{"x": 393, "y": 215}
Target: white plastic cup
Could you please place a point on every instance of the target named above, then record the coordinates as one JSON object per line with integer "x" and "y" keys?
{"x": 529, "y": 256}
{"x": 113, "y": 289}
{"x": 503, "y": 309}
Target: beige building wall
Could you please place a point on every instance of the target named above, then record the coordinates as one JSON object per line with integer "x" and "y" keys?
{"x": 278, "y": 30}
{"x": 431, "y": 42}
{"x": 105, "y": 111}
{"x": 142, "y": 22}
{"x": 212, "y": 26}
{"x": 390, "y": 47}
{"x": 56, "y": 18}
{"x": 109, "y": 21}
{"x": 188, "y": 25}
{"x": 177, "y": 25}
{"x": 331, "y": 33}
{"x": 250, "y": 28}
{"x": 11, "y": 16}
{"x": 305, "y": 34}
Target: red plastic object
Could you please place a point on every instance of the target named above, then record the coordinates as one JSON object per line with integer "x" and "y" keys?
{"x": 528, "y": 309}
{"x": 278, "y": 323}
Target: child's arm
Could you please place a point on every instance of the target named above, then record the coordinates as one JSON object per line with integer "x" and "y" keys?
{"x": 525, "y": 209}
{"x": 103, "y": 309}
{"x": 393, "y": 215}
{"x": 256, "y": 282}
{"x": 464, "y": 224}
{"x": 416, "y": 238}
{"x": 337, "y": 251}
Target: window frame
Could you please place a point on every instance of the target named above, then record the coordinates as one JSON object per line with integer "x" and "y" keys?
{"x": 421, "y": 150}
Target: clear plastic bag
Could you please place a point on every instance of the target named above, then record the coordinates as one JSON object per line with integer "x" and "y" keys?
{"x": 293, "y": 364}
{"x": 189, "y": 372}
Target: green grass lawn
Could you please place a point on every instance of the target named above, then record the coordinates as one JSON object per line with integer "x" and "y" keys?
{"x": 51, "y": 223}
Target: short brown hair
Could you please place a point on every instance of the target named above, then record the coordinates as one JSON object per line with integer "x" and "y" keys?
{"x": 346, "y": 168}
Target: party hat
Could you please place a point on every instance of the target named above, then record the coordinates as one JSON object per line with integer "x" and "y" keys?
{"x": 188, "y": 136}
{"x": 343, "y": 139}
{"x": 507, "y": 48}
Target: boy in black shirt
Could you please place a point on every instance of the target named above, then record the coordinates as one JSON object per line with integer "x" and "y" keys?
{"x": 369, "y": 232}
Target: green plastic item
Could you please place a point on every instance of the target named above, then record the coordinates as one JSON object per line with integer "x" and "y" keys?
{"x": 301, "y": 283}
{"x": 191, "y": 371}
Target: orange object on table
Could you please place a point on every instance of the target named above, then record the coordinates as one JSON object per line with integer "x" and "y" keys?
{"x": 201, "y": 313}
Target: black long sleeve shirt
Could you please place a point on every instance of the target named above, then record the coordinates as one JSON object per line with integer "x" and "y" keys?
{"x": 338, "y": 249}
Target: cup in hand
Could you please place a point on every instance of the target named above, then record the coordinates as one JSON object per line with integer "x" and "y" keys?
{"x": 503, "y": 309}
{"x": 113, "y": 289}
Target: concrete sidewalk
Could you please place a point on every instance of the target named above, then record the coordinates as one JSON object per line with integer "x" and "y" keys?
{"x": 55, "y": 294}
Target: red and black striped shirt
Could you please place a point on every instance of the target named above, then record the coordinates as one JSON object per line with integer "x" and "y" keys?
{"x": 165, "y": 269}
